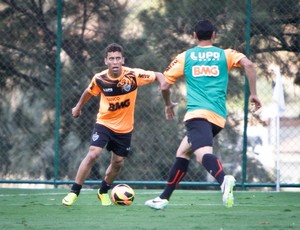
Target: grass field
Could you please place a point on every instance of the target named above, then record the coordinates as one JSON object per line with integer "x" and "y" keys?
{"x": 42, "y": 209}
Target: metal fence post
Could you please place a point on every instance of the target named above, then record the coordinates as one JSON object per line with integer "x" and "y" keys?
{"x": 246, "y": 102}
{"x": 57, "y": 89}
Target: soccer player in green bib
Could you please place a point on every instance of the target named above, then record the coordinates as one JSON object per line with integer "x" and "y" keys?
{"x": 205, "y": 69}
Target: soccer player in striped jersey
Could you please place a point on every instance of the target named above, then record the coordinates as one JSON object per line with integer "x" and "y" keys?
{"x": 205, "y": 68}
{"x": 117, "y": 87}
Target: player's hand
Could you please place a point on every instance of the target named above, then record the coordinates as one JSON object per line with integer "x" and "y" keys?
{"x": 169, "y": 111}
{"x": 255, "y": 102}
{"x": 76, "y": 112}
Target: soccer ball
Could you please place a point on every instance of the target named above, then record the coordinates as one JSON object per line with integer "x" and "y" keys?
{"x": 122, "y": 194}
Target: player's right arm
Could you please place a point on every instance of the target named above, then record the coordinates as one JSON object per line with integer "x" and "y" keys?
{"x": 90, "y": 91}
{"x": 173, "y": 71}
{"x": 169, "y": 105}
{"x": 85, "y": 97}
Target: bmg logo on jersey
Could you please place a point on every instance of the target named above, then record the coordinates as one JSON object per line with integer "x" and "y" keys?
{"x": 118, "y": 105}
{"x": 205, "y": 70}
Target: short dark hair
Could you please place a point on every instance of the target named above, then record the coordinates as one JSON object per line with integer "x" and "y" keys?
{"x": 204, "y": 29}
{"x": 114, "y": 47}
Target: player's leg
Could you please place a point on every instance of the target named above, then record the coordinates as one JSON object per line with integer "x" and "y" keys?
{"x": 116, "y": 164}
{"x": 200, "y": 134}
{"x": 176, "y": 174}
{"x": 82, "y": 173}
{"x": 119, "y": 145}
{"x": 211, "y": 163}
{"x": 203, "y": 151}
{"x": 100, "y": 137}
{"x": 87, "y": 163}
{"x": 214, "y": 166}
{"x": 179, "y": 168}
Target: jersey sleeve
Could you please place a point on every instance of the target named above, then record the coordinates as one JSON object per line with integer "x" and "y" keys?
{"x": 144, "y": 77}
{"x": 175, "y": 69}
{"x": 233, "y": 57}
{"x": 93, "y": 87}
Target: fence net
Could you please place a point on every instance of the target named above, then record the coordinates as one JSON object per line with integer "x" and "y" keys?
{"x": 35, "y": 98}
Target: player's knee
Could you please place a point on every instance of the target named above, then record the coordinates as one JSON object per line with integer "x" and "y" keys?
{"x": 183, "y": 154}
{"x": 200, "y": 152}
{"x": 94, "y": 153}
{"x": 118, "y": 164}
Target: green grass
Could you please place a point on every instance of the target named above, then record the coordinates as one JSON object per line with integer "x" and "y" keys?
{"x": 42, "y": 209}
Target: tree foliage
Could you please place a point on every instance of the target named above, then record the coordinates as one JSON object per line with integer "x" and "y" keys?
{"x": 28, "y": 69}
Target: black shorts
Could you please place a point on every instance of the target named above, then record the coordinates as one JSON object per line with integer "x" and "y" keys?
{"x": 119, "y": 143}
{"x": 200, "y": 132}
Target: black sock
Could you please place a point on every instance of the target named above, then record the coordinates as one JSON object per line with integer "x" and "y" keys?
{"x": 104, "y": 187}
{"x": 176, "y": 174}
{"x": 213, "y": 165}
{"x": 76, "y": 188}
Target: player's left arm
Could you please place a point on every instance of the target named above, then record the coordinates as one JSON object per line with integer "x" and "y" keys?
{"x": 251, "y": 76}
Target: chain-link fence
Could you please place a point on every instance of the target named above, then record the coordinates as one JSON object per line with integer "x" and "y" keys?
{"x": 45, "y": 68}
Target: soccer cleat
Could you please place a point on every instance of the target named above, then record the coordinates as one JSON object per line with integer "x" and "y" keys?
{"x": 69, "y": 199}
{"x": 157, "y": 203}
{"x": 104, "y": 198}
{"x": 227, "y": 189}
